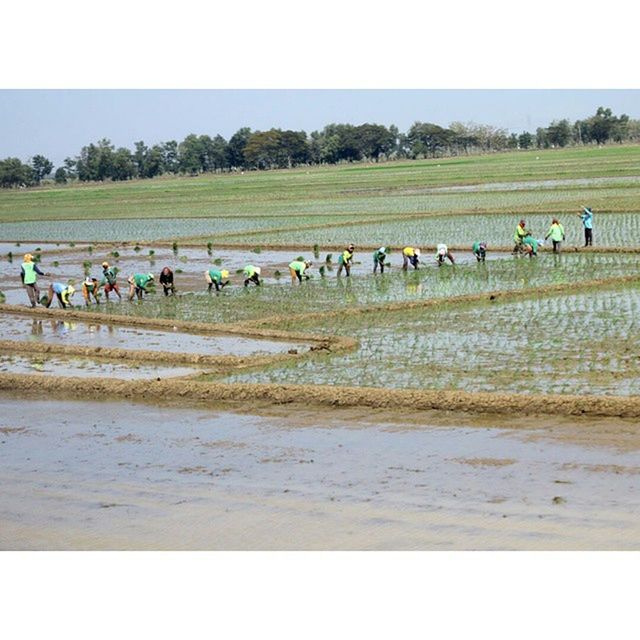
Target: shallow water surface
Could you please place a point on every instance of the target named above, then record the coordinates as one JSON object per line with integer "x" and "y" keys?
{"x": 104, "y": 475}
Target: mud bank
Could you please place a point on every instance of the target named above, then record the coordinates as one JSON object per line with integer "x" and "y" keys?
{"x": 221, "y": 364}
{"x": 197, "y": 392}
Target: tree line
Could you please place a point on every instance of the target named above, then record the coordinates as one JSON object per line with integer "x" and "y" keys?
{"x": 336, "y": 143}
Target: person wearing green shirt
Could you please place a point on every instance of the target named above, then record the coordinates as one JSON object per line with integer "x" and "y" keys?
{"x": 379, "y": 258}
{"x": 345, "y": 260}
{"x": 556, "y": 233}
{"x": 530, "y": 245}
{"x": 29, "y": 273}
{"x": 252, "y": 274}
{"x": 138, "y": 284}
{"x": 216, "y": 278}
{"x": 109, "y": 281}
{"x": 479, "y": 250}
{"x": 297, "y": 270}
{"x": 90, "y": 288}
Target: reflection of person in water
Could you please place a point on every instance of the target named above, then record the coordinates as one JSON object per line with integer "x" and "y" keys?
{"x": 36, "y": 327}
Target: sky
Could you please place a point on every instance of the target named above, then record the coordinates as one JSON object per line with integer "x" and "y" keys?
{"x": 58, "y": 123}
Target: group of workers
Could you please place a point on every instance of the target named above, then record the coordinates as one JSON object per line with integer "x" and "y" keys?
{"x": 139, "y": 283}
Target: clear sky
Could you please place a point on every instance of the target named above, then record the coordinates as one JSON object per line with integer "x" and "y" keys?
{"x": 57, "y": 123}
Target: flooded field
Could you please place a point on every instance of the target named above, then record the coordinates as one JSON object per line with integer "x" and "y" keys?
{"x": 104, "y": 475}
{"x": 105, "y": 335}
{"x": 86, "y": 368}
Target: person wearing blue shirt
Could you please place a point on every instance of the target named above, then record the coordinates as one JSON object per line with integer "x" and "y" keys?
{"x": 587, "y": 221}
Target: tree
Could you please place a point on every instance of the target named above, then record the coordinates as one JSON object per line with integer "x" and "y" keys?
{"x": 154, "y": 161}
{"x": 426, "y": 138}
{"x": 542, "y": 140}
{"x": 15, "y": 174}
{"x": 60, "y": 176}
{"x": 235, "y": 148}
{"x": 512, "y": 143}
{"x": 525, "y": 140}
{"x": 171, "y": 159}
{"x": 41, "y": 167}
{"x": 139, "y": 157}
{"x": 375, "y": 140}
{"x": 190, "y": 154}
{"x": 70, "y": 168}
{"x": 559, "y": 133}
{"x": 123, "y": 165}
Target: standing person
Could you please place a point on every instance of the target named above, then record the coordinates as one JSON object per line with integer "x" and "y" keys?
{"x": 587, "y": 220}
{"x": 556, "y": 233}
{"x": 216, "y": 278}
{"x": 345, "y": 260}
{"x": 63, "y": 293}
{"x": 379, "y": 258}
{"x": 479, "y": 250}
{"x": 520, "y": 234}
{"x": 138, "y": 284}
{"x": 252, "y": 274}
{"x": 109, "y": 280}
{"x": 90, "y": 288}
{"x": 29, "y": 272}
{"x": 410, "y": 255}
{"x": 442, "y": 254}
{"x": 297, "y": 270}
{"x": 166, "y": 280}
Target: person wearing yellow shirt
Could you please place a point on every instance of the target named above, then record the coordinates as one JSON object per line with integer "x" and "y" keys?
{"x": 556, "y": 233}
{"x": 410, "y": 255}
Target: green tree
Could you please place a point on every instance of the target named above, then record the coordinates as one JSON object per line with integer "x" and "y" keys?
{"x": 41, "y": 167}
{"x": 235, "y": 148}
{"x": 13, "y": 173}
{"x": 190, "y": 153}
{"x": 171, "y": 156}
{"x": 559, "y": 133}
{"x": 60, "y": 176}
{"x": 525, "y": 140}
{"x": 123, "y": 165}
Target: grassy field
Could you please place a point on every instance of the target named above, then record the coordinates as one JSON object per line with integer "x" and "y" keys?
{"x": 388, "y": 188}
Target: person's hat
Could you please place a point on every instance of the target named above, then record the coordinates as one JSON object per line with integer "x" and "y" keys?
{"x": 71, "y": 290}
{"x": 105, "y": 265}
{"x": 483, "y": 245}
{"x": 88, "y": 280}
{"x": 258, "y": 270}
{"x": 224, "y": 273}
{"x": 382, "y": 250}
{"x": 416, "y": 251}
{"x": 150, "y": 276}
{"x": 351, "y": 247}
{"x": 308, "y": 263}
{"x": 28, "y": 257}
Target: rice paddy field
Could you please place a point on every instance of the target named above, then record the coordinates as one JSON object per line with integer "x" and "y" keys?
{"x": 334, "y": 375}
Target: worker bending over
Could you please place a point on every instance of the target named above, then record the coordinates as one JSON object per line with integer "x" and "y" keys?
{"x": 346, "y": 260}
{"x": 479, "y": 250}
{"x": 297, "y": 270}
{"x": 410, "y": 255}
{"x": 442, "y": 254}
{"x": 520, "y": 234}
{"x": 252, "y": 274}
{"x": 62, "y": 291}
{"x": 90, "y": 288}
{"x": 216, "y": 279}
{"x": 379, "y": 258}
{"x": 138, "y": 283}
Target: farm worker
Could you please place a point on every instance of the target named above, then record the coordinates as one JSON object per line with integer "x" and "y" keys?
{"x": 297, "y": 270}
{"x": 90, "y": 288}
{"x": 410, "y": 255}
{"x": 166, "y": 280}
{"x": 345, "y": 260}
{"x": 530, "y": 245}
{"x": 479, "y": 250}
{"x": 556, "y": 233}
{"x": 442, "y": 254}
{"x": 521, "y": 233}
{"x": 379, "y": 257}
{"x": 138, "y": 284}
{"x": 29, "y": 272}
{"x": 63, "y": 293}
{"x": 216, "y": 278}
{"x": 109, "y": 280}
{"x": 252, "y": 275}
{"x": 587, "y": 221}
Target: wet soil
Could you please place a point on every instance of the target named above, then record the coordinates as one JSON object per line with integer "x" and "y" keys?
{"x": 103, "y": 475}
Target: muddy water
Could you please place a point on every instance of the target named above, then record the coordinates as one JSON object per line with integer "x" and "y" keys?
{"x": 84, "y": 368}
{"x": 121, "y": 476}
{"x": 97, "y": 335}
